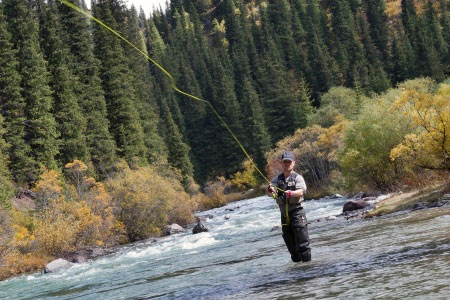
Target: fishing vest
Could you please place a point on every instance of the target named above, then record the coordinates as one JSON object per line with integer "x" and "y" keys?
{"x": 287, "y": 185}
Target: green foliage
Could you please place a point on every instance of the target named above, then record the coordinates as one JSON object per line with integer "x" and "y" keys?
{"x": 41, "y": 129}
{"x": 70, "y": 119}
{"x": 77, "y": 36}
{"x": 337, "y": 101}
{"x": 13, "y": 108}
{"x": 6, "y": 187}
{"x": 125, "y": 123}
{"x": 364, "y": 157}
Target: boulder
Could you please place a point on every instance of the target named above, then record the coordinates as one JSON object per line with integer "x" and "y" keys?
{"x": 173, "y": 228}
{"x": 354, "y": 205}
{"x": 336, "y": 196}
{"x": 57, "y": 265}
{"x": 275, "y": 228}
{"x": 359, "y": 195}
{"x": 199, "y": 227}
{"x": 77, "y": 258}
{"x": 420, "y": 205}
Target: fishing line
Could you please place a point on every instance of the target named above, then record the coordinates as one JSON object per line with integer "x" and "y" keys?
{"x": 172, "y": 80}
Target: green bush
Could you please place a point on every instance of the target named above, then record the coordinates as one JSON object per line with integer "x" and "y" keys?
{"x": 365, "y": 155}
{"x": 337, "y": 101}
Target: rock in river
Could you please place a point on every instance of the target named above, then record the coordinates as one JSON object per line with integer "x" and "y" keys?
{"x": 57, "y": 265}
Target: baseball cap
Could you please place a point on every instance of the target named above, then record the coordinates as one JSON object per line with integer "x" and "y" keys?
{"x": 287, "y": 155}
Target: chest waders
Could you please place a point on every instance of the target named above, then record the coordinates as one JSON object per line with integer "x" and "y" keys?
{"x": 293, "y": 221}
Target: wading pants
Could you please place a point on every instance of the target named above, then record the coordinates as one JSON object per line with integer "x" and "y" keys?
{"x": 295, "y": 235}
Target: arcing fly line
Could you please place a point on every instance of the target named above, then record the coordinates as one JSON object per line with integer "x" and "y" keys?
{"x": 172, "y": 80}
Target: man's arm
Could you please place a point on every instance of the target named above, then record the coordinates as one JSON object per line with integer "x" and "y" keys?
{"x": 300, "y": 187}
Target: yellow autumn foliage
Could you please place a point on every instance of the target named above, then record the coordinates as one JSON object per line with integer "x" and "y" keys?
{"x": 429, "y": 146}
{"x": 147, "y": 202}
{"x": 247, "y": 177}
{"x": 49, "y": 187}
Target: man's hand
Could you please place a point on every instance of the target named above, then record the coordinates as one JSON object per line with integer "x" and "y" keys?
{"x": 270, "y": 189}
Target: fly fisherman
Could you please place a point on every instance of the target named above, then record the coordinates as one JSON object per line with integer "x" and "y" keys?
{"x": 289, "y": 188}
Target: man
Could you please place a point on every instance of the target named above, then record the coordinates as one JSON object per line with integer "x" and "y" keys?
{"x": 289, "y": 188}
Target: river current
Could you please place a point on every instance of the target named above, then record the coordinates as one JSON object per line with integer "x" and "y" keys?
{"x": 399, "y": 256}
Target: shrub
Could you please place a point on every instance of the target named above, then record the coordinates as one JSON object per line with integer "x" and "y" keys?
{"x": 364, "y": 158}
{"x": 214, "y": 191}
{"x": 146, "y": 201}
{"x": 429, "y": 146}
{"x": 247, "y": 178}
{"x": 337, "y": 101}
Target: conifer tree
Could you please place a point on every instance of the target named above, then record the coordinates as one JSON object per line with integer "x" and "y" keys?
{"x": 6, "y": 187}
{"x": 41, "y": 133}
{"x": 257, "y": 138}
{"x": 428, "y": 61}
{"x": 377, "y": 19}
{"x": 227, "y": 155}
{"x": 178, "y": 151}
{"x": 323, "y": 68}
{"x": 143, "y": 85}
{"x": 445, "y": 25}
{"x": 350, "y": 54}
{"x": 77, "y": 36}
{"x": 70, "y": 119}
{"x": 401, "y": 55}
{"x": 435, "y": 36}
{"x": 378, "y": 79}
{"x": 119, "y": 93}
{"x": 13, "y": 109}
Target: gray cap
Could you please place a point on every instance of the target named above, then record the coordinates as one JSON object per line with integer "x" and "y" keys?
{"x": 287, "y": 155}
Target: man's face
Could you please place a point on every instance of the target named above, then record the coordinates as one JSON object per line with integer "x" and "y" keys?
{"x": 288, "y": 165}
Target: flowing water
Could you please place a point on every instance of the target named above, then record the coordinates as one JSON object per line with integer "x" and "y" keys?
{"x": 402, "y": 256}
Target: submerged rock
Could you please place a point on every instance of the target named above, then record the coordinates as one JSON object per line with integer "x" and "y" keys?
{"x": 275, "y": 228}
{"x": 57, "y": 265}
{"x": 199, "y": 227}
{"x": 354, "y": 205}
{"x": 420, "y": 205}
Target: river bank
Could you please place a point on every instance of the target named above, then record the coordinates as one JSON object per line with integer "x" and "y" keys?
{"x": 243, "y": 257}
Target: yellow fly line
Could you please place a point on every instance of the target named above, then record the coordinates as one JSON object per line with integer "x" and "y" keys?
{"x": 172, "y": 80}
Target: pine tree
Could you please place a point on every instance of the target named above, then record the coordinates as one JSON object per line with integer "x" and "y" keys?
{"x": 428, "y": 61}
{"x": 178, "y": 151}
{"x": 77, "y": 36}
{"x": 119, "y": 94}
{"x": 71, "y": 122}
{"x": 378, "y": 79}
{"x": 13, "y": 109}
{"x": 227, "y": 155}
{"x": 258, "y": 139}
{"x": 350, "y": 53}
{"x": 401, "y": 56}
{"x": 435, "y": 36}
{"x": 324, "y": 70}
{"x": 445, "y": 25}
{"x": 6, "y": 187}
{"x": 41, "y": 133}
{"x": 143, "y": 85}
{"x": 378, "y": 21}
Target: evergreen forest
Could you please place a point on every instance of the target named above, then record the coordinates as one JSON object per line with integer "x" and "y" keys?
{"x": 72, "y": 90}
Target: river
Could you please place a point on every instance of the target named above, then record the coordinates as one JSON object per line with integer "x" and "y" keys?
{"x": 401, "y": 256}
